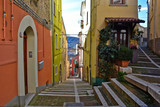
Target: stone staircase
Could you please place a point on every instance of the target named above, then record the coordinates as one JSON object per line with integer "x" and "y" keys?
{"x": 145, "y": 65}
{"x": 122, "y": 94}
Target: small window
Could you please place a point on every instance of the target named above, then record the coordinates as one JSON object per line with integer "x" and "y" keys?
{"x": 54, "y": 8}
{"x": 87, "y": 19}
{"x": 56, "y": 41}
{"x": 60, "y": 43}
{"x": 117, "y": 2}
{"x": 55, "y": 70}
{"x": 59, "y": 16}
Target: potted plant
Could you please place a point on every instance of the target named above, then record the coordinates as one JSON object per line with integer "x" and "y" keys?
{"x": 124, "y": 56}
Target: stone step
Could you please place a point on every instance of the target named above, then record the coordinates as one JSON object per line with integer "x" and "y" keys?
{"x": 153, "y": 90}
{"x": 148, "y": 68}
{"x": 135, "y": 101}
{"x": 148, "y": 78}
{"x": 100, "y": 96}
{"x": 156, "y": 60}
{"x": 143, "y": 59}
{"x": 143, "y": 64}
{"x": 108, "y": 91}
{"x": 153, "y": 56}
{"x": 137, "y": 82}
{"x": 106, "y": 97}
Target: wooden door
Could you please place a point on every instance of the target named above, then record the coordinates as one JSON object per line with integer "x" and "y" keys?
{"x": 25, "y": 64}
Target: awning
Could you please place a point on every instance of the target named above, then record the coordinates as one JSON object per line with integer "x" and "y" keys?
{"x": 120, "y": 19}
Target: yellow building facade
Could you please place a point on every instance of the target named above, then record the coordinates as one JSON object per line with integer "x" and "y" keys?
{"x": 65, "y": 62}
{"x": 56, "y": 31}
{"x": 154, "y": 25}
{"x": 123, "y": 14}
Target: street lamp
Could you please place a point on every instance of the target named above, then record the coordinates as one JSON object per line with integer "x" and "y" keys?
{"x": 139, "y": 7}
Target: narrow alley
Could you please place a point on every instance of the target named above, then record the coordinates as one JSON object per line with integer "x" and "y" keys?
{"x": 80, "y": 53}
{"x": 72, "y": 92}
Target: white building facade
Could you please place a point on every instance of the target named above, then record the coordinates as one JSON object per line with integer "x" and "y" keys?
{"x": 85, "y": 26}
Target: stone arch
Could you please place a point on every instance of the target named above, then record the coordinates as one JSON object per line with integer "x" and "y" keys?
{"x": 27, "y": 25}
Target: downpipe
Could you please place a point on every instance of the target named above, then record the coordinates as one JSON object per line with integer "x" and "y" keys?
{"x": 4, "y": 19}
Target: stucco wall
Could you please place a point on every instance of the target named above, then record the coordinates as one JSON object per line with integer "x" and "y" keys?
{"x": 9, "y": 54}
{"x": 154, "y": 38}
{"x": 100, "y": 10}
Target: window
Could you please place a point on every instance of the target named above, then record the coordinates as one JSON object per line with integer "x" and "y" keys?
{"x": 123, "y": 37}
{"x": 63, "y": 40}
{"x": 60, "y": 43}
{"x": 87, "y": 19}
{"x": 55, "y": 70}
{"x": 59, "y": 16}
{"x": 56, "y": 41}
{"x": 117, "y": 2}
{"x": 114, "y": 34}
{"x": 54, "y": 8}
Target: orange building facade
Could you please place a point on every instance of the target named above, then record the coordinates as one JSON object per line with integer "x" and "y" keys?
{"x": 25, "y": 53}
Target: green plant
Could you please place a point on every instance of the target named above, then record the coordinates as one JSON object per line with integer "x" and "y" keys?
{"x": 124, "y": 54}
{"x": 121, "y": 76}
{"x": 107, "y": 53}
{"x": 77, "y": 65}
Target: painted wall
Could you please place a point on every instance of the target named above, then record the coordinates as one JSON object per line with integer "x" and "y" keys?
{"x": 154, "y": 21}
{"x": 65, "y": 63}
{"x": 9, "y": 53}
{"x": 86, "y": 72}
{"x": 56, "y": 18}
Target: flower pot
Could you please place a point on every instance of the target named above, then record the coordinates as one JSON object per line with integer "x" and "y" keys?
{"x": 124, "y": 63}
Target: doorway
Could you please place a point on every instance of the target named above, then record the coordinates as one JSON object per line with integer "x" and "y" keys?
{"x": 87, "y": 75}
{"x": 25, "y": 62}
{"x": 27, "y": 57}
{"x": 121, "y": 36}
{"x": 60, "y": 74}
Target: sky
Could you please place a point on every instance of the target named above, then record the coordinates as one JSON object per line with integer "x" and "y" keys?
{"x": 143, "y": 13}
{"x": 71, "y": 15}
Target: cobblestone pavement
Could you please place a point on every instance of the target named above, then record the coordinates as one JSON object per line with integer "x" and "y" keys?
{"x": 71, "y": 91}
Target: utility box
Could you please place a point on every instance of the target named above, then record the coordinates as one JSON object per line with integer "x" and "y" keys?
{"x": 40, "y": 65}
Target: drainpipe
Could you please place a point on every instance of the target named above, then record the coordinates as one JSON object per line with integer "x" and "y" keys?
{"x": 4, "y": 19}
{"x": 90, "y": 44}
{"x": 12, "y": 17}
{"x": 148, "y": 24}
{"x": 52, "y": 29}
{"x": 155, "y": 17}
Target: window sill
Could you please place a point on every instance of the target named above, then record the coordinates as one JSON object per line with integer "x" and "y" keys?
{"x": 124, "y": 5}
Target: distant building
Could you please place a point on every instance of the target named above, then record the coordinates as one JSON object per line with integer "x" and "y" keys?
{"x": 143, "y": 39}
{"x": 85, "y": 25}
{"x": 65, "y": 64}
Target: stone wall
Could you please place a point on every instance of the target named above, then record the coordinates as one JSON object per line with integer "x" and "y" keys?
{"x": 41, "y": 7}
